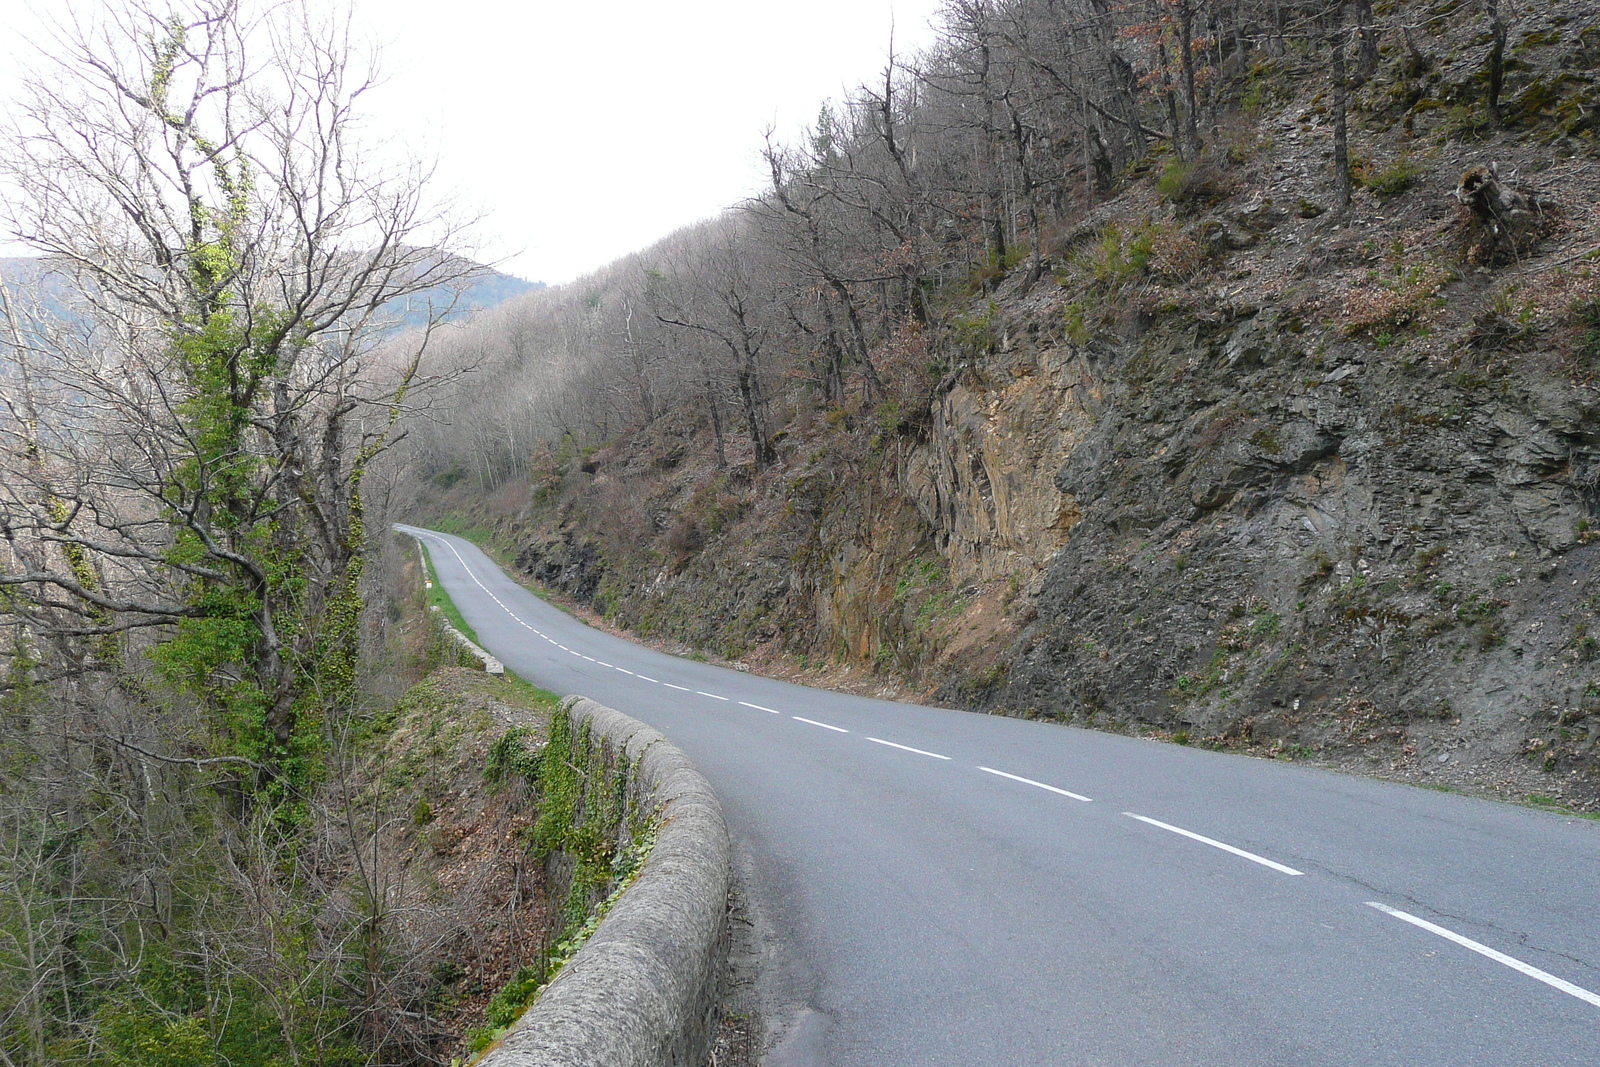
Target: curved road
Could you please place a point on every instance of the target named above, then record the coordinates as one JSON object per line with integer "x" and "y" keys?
{"x": 944, "y": 888}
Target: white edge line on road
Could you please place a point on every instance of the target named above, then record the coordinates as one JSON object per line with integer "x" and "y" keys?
{"x": 1241, "y": 853}
{"x": 591, "y": 659}
{"x": 713, "y": 696}
{"x": 1484, "y": 950}
{"x": 758, "y": 707}
{"x": 825, "y": 726}
{"x": 1041, "y": 785}
{"x": 478, "y": 582}
{"x": 906, "y": 748}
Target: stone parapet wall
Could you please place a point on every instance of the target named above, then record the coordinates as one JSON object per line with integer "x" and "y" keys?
{"x": 643, "y": 989}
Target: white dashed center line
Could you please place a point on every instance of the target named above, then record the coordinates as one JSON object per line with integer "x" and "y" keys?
{"x": 1191, "y": 835}
{"x": 1529, "y": 970}
{"x": 1041, "y": 785}
{"x": 825, "y": 726}
{"x": 906, "y": 748}
{"x": 1499, "y": 957}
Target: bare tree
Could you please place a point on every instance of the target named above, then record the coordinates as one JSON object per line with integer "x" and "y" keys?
{"x": 195, "y": 468}
{"x": 1191, "y": 109}
{"x": 1494, "y": 62}
{"x": 719, "y": 298}
{"x": 806, "y": 229}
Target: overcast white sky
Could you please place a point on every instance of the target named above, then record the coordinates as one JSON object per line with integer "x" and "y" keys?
{"x": 585, "y": 131}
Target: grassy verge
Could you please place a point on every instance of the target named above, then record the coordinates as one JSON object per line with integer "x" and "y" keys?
{"x": 1551, "y": 804}
{"x": 486, "y": 538}
{"x": 439, "y": 598}
{"x": 518, "y": 690}
{"x": 521, "y": 691}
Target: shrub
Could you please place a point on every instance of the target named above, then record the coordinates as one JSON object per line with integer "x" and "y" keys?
{"x": 508, "y": 1004}
{"x": 1078, "y": 330}
{"x": 1390, "y": 180}
{"x": 1015, "y": 255}
{"x": 1586, "y": 344}
{"x": 1386, "y": 308}
{"x": 685, "y": 537}
{"x": 1263, "y": 86}
{"x": 1464, "y": 123}
{"x": 975, "y": 333}
{"x": 1176, "y": 255}
{"x": 1192, "y": 185}
{"x": 1266, "y": 625}
{"x": 510, "y": 757}
{"x": 1119, "y": 256}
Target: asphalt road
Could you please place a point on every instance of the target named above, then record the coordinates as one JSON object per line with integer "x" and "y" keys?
{"x": 944, "y": 888}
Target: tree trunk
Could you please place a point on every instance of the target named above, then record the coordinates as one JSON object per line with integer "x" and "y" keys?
{"x": 716, "y": 415}
{"x": 755, "y": 414}
{"x": 1367, "y": 52}
{"x": 1170, "y": 100}
{"x": 1496, "y": 62}
{"x": 1030, "y": 192}
{"x": 833, "y": 346}
{"x": 857, "y": 334}
{"x": 1191, "y": 112}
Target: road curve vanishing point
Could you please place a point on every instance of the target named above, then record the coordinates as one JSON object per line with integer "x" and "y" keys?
{"x": 944, "y": 888}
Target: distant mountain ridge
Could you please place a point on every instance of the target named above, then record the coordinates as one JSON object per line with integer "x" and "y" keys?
{"x": 28, "y": 274}
{"x": 485, "y": 291}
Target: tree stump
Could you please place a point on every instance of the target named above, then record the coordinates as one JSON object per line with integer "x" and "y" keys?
{"x": 1504, "y": 222}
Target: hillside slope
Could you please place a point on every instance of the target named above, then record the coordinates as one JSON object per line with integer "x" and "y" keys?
{"x": 1242, "y": 468}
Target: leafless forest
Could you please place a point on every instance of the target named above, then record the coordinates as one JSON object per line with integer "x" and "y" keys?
{"x": 852, "y": 277}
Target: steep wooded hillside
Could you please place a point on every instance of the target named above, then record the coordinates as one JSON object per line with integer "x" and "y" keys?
{"x": 1168, "y": 438}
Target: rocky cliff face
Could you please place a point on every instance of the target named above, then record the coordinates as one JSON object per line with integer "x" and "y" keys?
{"x": 985, "y": 476}
{"x": 1258, "y": 516}
{"x": 1276, "y": 534}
